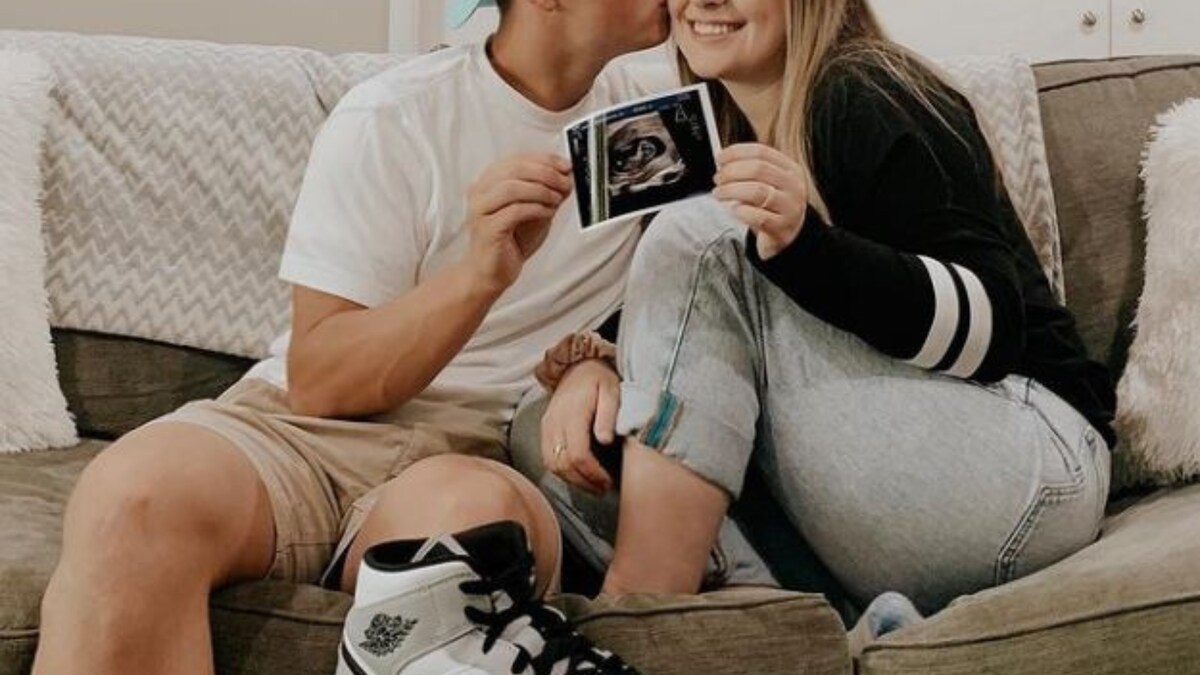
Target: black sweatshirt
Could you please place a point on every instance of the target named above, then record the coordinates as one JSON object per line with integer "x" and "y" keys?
{"x": 926, "y": 260}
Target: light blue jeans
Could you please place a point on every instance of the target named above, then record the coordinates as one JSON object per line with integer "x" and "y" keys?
{"x": 897, "y": 478}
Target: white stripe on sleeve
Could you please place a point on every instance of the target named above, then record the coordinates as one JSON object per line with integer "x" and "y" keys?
{"x": 979, "y": 338}
{"x": 945, "y": 316}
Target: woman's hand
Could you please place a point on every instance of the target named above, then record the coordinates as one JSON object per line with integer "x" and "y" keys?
{"x": 768, "y": 191}
{"x": 584, "y": 403}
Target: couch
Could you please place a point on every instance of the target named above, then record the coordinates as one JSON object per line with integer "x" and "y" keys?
{"x": 1128, "y": 604}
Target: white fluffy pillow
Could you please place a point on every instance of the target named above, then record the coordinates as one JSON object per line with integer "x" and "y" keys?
{"x": 1159, "y": 394}
{"x": 33, "y": 411}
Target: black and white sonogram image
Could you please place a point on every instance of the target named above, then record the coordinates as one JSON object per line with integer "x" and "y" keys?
{"x": 644, "y": 155}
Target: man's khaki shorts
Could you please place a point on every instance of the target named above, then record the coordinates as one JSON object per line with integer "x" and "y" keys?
{"x": 322, "y": 475}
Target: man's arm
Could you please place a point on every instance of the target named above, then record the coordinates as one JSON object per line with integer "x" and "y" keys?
{"x": 347, "y": 360}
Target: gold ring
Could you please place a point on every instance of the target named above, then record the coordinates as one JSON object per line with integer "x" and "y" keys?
{"x": 559, "y": 448}
{"x": 767, "y": 199}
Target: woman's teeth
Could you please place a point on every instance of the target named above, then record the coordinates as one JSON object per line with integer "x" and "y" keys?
{"x": 705, "y": 28}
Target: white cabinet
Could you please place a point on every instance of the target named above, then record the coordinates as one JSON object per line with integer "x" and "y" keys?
{"x": 1043, "y": 30}
{"x": 1155, "y": 27}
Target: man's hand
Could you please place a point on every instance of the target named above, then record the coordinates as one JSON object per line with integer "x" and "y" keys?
{"x": 584, "y": 403}
{"x": 511, "y": 207}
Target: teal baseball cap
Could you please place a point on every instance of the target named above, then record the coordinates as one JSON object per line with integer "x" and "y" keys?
{"x": 460, "y": 11}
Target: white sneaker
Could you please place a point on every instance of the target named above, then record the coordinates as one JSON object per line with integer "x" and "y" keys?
{"x": 460, "y": 604}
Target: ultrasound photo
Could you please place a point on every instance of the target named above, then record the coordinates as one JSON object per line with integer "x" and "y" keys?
{"x": 636, "y": 158}
{"x": 642, "y": 155}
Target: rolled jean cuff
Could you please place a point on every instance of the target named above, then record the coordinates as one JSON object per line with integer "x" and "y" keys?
{"x": 664, "y": 422}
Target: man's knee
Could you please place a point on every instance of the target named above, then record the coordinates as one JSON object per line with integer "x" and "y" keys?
{"x": 120, "y": 497}
{"x": 457, "y": 485}
{"x": 155, "y": 493}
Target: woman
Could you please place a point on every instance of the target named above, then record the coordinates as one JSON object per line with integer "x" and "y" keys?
{"x": 860, "y": 316}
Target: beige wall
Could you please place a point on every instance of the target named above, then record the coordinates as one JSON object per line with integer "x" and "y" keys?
{"x": 328, "y": 25}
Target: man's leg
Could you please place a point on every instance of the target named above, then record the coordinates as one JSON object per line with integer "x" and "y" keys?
{"x": 451, "y": 493}
{"x": 157, "y": 521}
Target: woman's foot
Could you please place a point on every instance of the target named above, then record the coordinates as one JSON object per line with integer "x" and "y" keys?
{"x": 889, "y": 612}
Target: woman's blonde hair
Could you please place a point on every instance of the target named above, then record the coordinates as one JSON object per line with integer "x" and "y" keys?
{"x": 821, "y": 33}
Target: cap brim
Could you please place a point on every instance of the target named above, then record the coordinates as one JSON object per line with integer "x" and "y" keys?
{"x": 460, "y": 12}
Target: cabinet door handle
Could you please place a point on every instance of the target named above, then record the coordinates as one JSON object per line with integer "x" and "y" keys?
{"x": 1090, "y": 19}
{"x": 1139, "y": 16}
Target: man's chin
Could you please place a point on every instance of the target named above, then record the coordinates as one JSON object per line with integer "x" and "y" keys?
{"x": 643, "y": 46}
{"x": 656, "y": 40}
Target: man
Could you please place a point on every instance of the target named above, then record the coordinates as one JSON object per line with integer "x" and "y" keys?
{"x": 419, "y": 313}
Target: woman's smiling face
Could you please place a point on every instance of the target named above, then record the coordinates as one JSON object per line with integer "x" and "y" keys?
{"x": 732, "y": 40}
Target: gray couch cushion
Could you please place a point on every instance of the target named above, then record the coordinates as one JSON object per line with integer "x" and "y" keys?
{"x": 1127, "y": 604}
{"x": 748, "y": 631}
{"x": 115, "y": 384}
{"x": 272, "y": 627}
{"x": 1097, "y": 116}
{"x": 33, "y": 492}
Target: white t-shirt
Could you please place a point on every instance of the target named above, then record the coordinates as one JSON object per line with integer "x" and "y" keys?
{"x": 383, "y": 207}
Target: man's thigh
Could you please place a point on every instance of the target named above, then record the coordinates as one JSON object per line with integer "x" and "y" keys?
{"x": 177, "y": 491}
{"x": 313, "y": 469}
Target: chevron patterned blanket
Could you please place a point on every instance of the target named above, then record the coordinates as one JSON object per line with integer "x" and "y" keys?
{"x": 171, "y": 168}
{"x": 1004, "y": 93}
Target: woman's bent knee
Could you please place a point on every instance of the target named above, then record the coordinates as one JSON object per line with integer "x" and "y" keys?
{"x": 689, "y": 228}
{"x": 677, "y": 242}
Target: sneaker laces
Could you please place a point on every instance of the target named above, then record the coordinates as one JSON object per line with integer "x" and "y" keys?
{"x": 561, "y": 640}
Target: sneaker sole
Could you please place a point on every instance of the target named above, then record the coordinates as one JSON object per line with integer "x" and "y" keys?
{"x": 346, "y": 663}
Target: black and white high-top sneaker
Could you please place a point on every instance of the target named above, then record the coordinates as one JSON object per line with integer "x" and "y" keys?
{"x": 461, "y": 604}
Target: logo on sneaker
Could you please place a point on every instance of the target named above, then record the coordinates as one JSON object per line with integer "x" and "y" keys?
{"x": 386, "y": 634}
